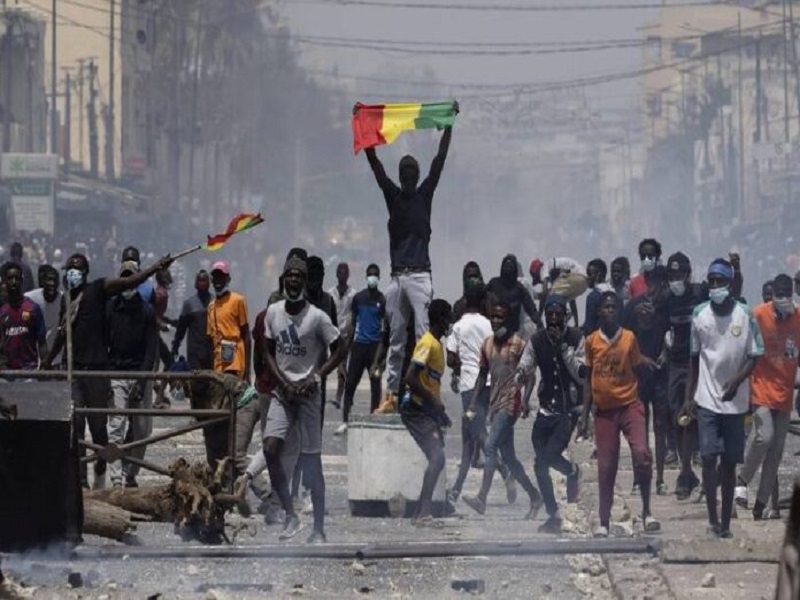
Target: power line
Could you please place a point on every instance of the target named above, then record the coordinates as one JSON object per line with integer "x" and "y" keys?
{"x": 508, "y": 7}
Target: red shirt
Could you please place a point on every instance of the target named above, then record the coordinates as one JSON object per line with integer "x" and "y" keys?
{"x": 22, "y": 330}
{"x": 638, "y": 286}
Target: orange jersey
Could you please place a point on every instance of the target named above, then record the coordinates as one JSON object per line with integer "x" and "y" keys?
{"x": 772, "y": 380}
{"x": 612, "y": 362}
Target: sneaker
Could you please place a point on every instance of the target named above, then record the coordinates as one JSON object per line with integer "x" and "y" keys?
{"x": 317, "y": 537}
{"x": 552, "y": 525}
{"x": 536, "y": 504}
{"x": 601, "y": 531}
{"x": 661, "y": 489}
{"x": 476, "y": 504}
{"x": 291, "y": 528}
{"x": 336, "y": 404}
{"x": 725, "y": 534}
{"x": 713, "y": 530}
{"x": 388, "y": 405}
{"x": 772, "y": 514}
{"x": 511, "y": 490}
{"x": 573, "y": 484}
{"x": 130, "y": 482}
{"x": 740, "y": 496}
{"x": 758, "y": 511}
{"x": 427, "y": 522}
{"x": 116, "y": 484}
{"x": 341, "y": 430}
{"x": 671, "y": 459}
{"x": 635, "y": 489}
{"x": 651, "y": 524}
{"x": 453, "y": 495}
{"x": 683, "y": 489}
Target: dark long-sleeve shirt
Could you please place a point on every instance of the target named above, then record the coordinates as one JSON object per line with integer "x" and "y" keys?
{"x": 132, "y": 334}
{"x": 410, "y": 217}
{"x": 192, "y": 325}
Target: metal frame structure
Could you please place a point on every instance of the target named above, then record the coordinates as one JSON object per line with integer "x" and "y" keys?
{"x": 112, "y": 452}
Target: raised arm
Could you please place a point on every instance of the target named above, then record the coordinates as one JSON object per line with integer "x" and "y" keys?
{"x": 437, "y": 165}
{"x": 116, "y": 286}
{"x": 529, "y": 306}
{"x": 378, "y": 171}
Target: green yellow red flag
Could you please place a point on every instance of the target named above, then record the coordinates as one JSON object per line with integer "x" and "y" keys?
{"x": 376, "y": 124}
{"x": 238, "y": 224}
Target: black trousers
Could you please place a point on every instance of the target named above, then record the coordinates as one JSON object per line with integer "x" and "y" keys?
{"x": 550, "y": 437}
{"x": 361, "y": 359}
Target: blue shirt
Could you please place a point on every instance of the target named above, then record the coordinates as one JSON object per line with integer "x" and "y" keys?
{"x": 147, "y": 291}
{"x": 368, "y": 315}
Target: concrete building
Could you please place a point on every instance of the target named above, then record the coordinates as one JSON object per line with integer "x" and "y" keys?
{"x": 23, "y": 105}
{"x": 719, "y": 83}
{"x": 83, "y": 38}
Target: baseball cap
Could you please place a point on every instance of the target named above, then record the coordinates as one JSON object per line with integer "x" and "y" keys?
{"x": 222, "y": 266}
{"x": 129, "y": 267}
{"x": 536, "y": 266}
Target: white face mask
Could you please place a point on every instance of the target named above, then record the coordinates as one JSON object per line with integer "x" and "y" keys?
{"x": 372, "y": 281}
{"x": 719, "y": 295}
{"x": 294, "y": 298}
{"x": 648, "y": 264}
{"x": 222, "y": 292}
{"x": 677, "y": 287}
{"x": 784, "y": 306}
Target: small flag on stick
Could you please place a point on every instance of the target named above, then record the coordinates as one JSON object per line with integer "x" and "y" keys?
{"x": 238, "y": 224}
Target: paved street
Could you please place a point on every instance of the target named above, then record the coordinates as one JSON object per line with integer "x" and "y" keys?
{"x": 546, "y": 576}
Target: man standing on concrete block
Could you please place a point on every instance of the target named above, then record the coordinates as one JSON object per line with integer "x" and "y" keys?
{"x": 422, "y": 410}
{"x": 410, "y": 292}
{"x": 725, "y": 345}
{"x": 771, "y": 387}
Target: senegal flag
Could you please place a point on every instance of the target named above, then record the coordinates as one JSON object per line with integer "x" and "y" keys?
{"x": 238, "y": 224}
{"x": 378, "y": 124}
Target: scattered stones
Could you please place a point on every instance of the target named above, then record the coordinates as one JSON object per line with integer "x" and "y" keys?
{"x": 113, "y": 585}
{"x": 357, "y": 568}
{"x": 623, "y": 529}
{"x": 546, "y": 588}
{"x": 365, "y": 589}
{"x": 709, "y": 581}
{"x": 192, "y": 570}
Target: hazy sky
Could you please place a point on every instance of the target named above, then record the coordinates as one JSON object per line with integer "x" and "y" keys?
{"x": 328, "y": 18}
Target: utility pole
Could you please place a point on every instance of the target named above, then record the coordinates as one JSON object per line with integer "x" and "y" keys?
{"x": 740, "y": 212}
{"x": 81, "y": 75}
{"x": 53, "y": 83}
{"x": 7, "y": 46}
{"x": 785, "y": 77}
{"x": 195, "y": 85}
{"x": 67, "y": 121}
{"x": 92, "y": 118}
{"x": 757, "y": 139}
{"x": 110, "y": 111}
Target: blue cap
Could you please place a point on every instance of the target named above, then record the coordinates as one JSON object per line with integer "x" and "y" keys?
{"x": 555, "y": 300}
{"x": 722, "y": 268}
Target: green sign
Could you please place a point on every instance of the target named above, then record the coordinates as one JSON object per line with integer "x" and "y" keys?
{"x": 30, "y": 187}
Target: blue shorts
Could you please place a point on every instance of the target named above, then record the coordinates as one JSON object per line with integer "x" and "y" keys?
{"x": 721, "y": 435}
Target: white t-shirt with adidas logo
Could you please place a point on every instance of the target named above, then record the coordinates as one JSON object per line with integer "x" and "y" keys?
{"x": 301, "y": 340}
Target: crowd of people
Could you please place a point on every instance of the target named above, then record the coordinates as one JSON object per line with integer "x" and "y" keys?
{"x": 651, "y": 351}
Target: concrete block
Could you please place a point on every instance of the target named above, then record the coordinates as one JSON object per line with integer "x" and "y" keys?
{"x": 384, "y": 462}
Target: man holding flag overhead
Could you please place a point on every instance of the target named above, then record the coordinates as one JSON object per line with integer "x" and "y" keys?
{"x": 409, "y": 205}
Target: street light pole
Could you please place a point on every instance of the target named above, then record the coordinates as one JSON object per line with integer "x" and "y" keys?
{"x": 53, "y": 84}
